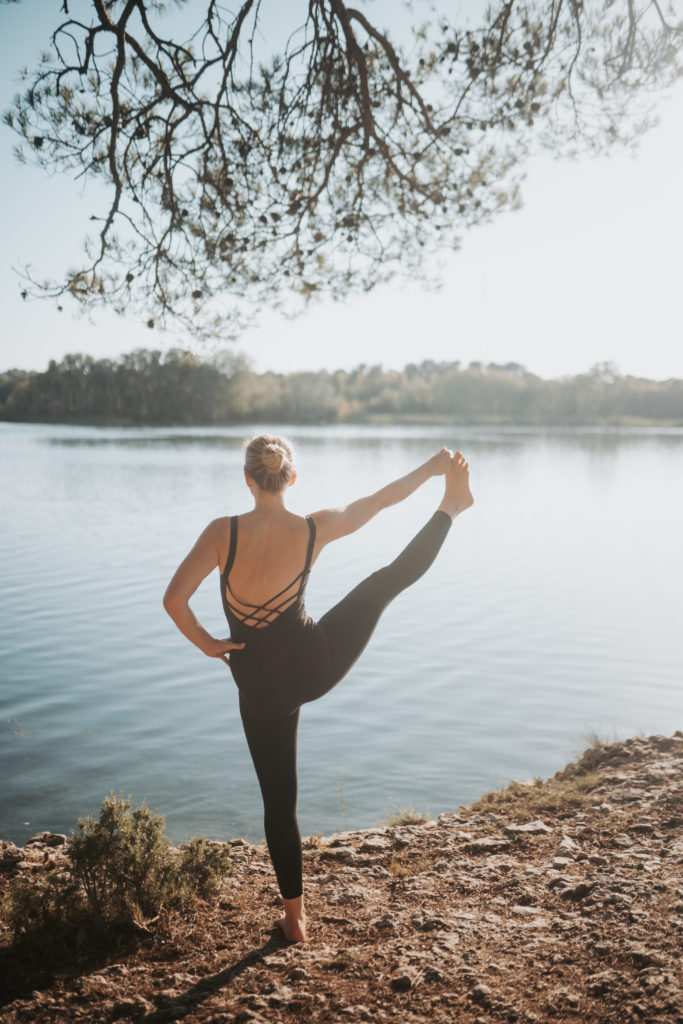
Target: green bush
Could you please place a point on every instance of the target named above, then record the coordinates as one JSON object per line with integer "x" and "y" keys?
{"x": 200, "y": 869}
{"x": 123, "y": 861}
{"x": 48, "y": 915}
{"x": 122, "y": 871}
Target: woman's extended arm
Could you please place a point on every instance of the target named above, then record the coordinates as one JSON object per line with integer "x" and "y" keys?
{"x": 338, "y": 522}
{"x": 202, "y": 559}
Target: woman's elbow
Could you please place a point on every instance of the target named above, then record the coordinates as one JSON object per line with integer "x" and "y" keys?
{"x": 170, "y": 601}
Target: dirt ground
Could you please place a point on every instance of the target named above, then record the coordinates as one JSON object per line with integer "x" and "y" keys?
{"x": 544, "y": 902}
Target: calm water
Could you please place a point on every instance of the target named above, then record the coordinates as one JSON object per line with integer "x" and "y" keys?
{"x": 554, "y": 608}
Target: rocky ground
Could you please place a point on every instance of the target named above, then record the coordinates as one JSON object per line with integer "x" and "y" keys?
{"x": 546, "y": 901}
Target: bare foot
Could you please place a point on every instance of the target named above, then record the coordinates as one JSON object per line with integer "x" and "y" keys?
{"x": 457, "y": 496}
{"x": 293, "y": 929}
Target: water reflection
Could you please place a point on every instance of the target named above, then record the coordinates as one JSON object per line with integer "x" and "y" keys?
{"x": 589, "y": 439}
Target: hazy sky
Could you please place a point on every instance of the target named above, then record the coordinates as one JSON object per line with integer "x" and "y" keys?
{"x": 589, "y": 270}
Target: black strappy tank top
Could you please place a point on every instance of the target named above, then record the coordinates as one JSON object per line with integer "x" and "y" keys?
{"x": 261, "y": 616}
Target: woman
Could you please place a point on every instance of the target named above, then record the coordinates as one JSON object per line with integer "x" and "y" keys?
{"x": 279, "y": 657}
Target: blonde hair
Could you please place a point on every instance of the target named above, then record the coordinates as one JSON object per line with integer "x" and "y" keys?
{"x": 269, "y": 461}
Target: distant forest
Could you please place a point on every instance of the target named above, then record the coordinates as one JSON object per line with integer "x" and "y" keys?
{"x": 176, "y": 387}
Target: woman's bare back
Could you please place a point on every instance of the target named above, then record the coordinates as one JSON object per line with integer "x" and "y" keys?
{"x": 269, "y": 559}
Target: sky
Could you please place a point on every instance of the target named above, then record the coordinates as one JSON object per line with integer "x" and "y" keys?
{"x": 589, "y": 270}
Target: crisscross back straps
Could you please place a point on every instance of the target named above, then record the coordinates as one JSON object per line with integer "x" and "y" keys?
{"x": 267, "y": 612}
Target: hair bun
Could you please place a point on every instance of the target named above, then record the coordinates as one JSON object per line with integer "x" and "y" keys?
{"x": 273, "y": 458}
{"x": 269, "y": 461}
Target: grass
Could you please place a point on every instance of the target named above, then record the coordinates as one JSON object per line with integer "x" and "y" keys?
{"x": 407, "y": 863}
{"x": 541, "y": 796}
{"x": 569, "y": 789}
{"x": 592, "y": 738}
{"x": 406, "y": 816}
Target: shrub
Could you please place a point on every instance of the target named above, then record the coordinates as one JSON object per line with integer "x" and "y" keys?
{"x": 47, "y": 916}
{"x": 200, "y": 870}
{"x": 122, "y": 870}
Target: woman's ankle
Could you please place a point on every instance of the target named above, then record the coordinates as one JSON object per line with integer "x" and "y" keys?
{"x": 294, "y": 908}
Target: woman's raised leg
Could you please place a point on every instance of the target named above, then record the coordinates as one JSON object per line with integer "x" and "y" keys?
{"x": 350, "y": 624}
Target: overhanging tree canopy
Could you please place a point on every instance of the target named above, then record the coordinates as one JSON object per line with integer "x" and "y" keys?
{"x": 238, "y": 179}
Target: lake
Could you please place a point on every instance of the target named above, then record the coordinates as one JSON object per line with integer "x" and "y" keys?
{"x": 553, "y": 609}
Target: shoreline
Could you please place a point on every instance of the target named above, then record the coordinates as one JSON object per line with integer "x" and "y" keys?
{"x": 547, "y": 900}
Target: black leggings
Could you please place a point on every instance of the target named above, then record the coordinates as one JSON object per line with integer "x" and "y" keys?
{"x": 347, "y": 628}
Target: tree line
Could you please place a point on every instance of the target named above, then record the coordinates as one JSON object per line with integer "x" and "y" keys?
{"x": 177, "y": 388}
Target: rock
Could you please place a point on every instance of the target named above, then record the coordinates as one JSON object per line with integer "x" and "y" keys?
{"x": 98, "y": 983}
{"x": 646, "y": 957}
{"x": 487, "y": 845}
{"x": 600, "y": 984}
{"x": 568, "y": 845}
{"x": 374, "y": 844}
{"x": 576, "y": 892}
{"x": 344, "y": 854}
{"x": 621, "y": 839}
{"x": 571, "y": 998}
{"x": 664, "y": 743}
{"x": 177, "y": 979}
{"x": 559, "y": 882}
{"x": 135, "y": 1007}
{"x": 280, "y": 996}
{"x": 429, "y": 922}
{"x": 615, "y": 753}
{"x": 561, "y": 862}
{"x": 48, "y": 839}
{"x": 257, "y": 1002}
{"x": 531, "y": 828}
{"x": 10, "y": 855}
{"x": 538, "y": 921}
{"x": 385, "y": 923}
{"x": 355, "y": 1013}
{"x": 403, "y": 981}
{"x": 433, "y": 975}
{"x": 480, "y": 994}
{"x": 29, "y": 866}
